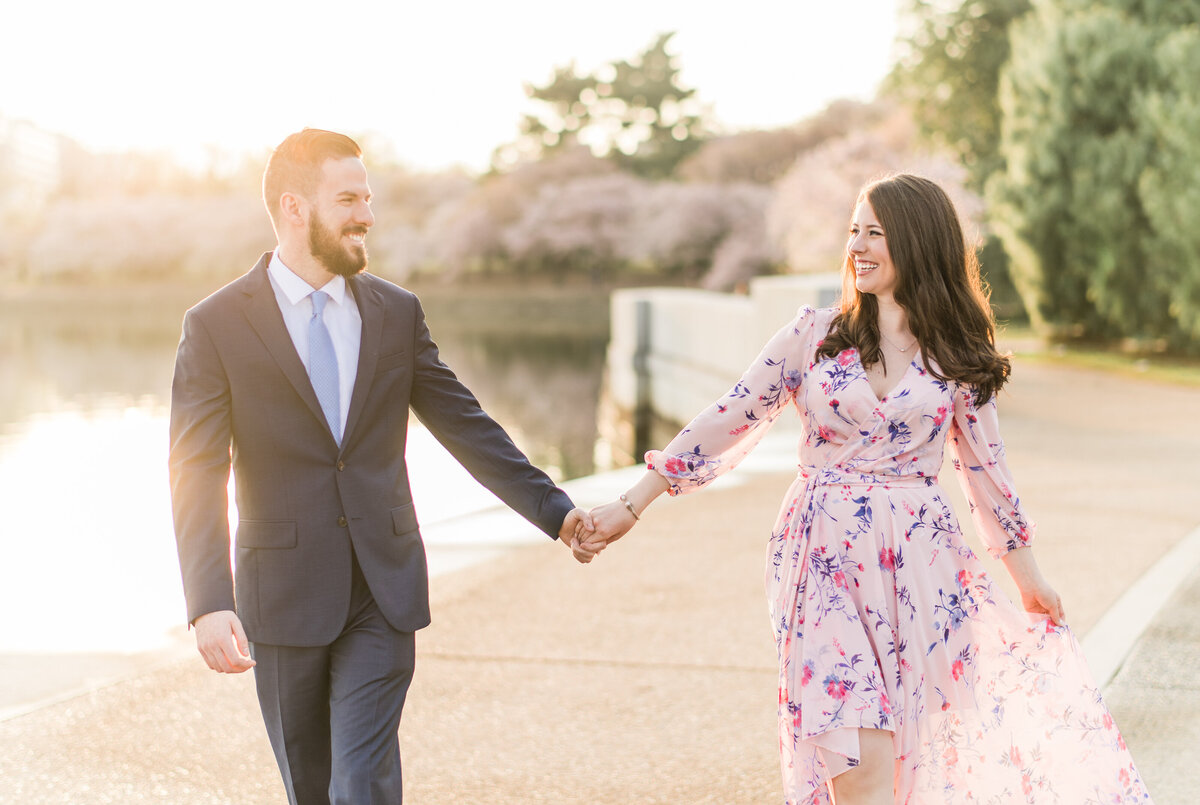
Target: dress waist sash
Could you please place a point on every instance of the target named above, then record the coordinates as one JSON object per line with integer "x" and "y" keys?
{"x": 836, "y": 476}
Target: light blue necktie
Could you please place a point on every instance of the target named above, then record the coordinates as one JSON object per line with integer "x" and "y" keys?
{"x": 322, "y": 366}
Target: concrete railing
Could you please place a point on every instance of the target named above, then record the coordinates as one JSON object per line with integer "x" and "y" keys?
{"x": 674, "y": 350}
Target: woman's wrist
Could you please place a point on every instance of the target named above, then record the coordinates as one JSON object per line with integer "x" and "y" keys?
{"x": 1023, "y": 568}
{"x": 629, "y": 508}
{"x": 639, "y": 496}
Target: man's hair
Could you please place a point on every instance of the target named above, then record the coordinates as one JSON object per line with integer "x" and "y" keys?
{"x": 295, "y": 164}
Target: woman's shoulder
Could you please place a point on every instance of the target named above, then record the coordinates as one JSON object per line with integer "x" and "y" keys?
{"x": 808, "y": 316}
{"x": 815, "y": 322}
{"x": 810, "y": 325}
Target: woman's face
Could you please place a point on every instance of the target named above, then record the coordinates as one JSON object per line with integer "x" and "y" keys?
{"x": 867, "y": 248}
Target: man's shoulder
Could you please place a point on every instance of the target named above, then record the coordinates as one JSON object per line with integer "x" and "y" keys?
{"x": 389, "y": 293}
{"x": 387, "y": 288}
{"x": 245, "y": 285}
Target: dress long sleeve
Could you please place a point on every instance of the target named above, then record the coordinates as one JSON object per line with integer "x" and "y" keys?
{"x": 978, "y": 457}
{"x": 726, "y": 431}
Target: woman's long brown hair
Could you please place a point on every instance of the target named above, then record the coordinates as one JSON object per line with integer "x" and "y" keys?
{"x": 937, "y": 284}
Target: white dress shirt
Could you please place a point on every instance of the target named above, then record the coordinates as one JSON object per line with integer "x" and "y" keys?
{"x": 341, "y": 316}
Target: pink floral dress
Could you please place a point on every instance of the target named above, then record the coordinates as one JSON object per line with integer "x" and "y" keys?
{"x": 883, "y": 616}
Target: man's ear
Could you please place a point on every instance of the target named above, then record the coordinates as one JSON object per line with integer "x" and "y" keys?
{"x": 294, "y": 209}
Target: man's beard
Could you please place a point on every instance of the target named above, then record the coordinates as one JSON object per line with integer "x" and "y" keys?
{"x": 327, "y": 247}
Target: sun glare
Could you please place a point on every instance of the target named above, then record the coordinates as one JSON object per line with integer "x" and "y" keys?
{"x": 439, "y": 88}
{"x": 96, "y": 556}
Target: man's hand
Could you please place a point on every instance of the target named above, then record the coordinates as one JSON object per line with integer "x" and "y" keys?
{"x": 222, "y": 642}
{"x": 576, "y": 524}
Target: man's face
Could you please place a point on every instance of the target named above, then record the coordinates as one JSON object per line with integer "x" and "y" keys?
{"x": 340, "y": 216}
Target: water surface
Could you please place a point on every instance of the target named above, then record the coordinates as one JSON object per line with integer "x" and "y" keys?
{"x": 90, "y": 562}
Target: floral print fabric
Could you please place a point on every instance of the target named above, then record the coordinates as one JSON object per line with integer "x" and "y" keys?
{"x": 884, "y": 618}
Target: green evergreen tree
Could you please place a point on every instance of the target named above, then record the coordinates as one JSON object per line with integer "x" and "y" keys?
{"x": 1169, "y": 188}
{"x": 1070, "y": 203}
{"x": 948, "y": 71}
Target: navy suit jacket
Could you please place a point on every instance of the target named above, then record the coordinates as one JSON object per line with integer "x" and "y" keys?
{"x": 241, "y": 395}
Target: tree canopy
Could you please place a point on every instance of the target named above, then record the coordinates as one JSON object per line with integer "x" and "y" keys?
{"x": 1096, "y": 100}
{"x": 633, "y": 111}
{"x": 948, "y": 71}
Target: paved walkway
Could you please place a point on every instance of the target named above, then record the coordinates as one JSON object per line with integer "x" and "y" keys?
{"x": 649, "y": 676}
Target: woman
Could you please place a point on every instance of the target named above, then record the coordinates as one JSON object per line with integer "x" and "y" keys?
{"x": 905, "y": 674}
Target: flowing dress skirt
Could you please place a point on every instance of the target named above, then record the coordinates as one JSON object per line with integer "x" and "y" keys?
{"x": 883, "y": 616}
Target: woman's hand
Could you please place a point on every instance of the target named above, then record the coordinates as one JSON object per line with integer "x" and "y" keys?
{"x": 612, "y": 521}
{"x": 1043, "y": 600}
{"x": 1037, "y": 595}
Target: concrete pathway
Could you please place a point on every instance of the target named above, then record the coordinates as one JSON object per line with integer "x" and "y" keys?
{"x": 649, "y": 676}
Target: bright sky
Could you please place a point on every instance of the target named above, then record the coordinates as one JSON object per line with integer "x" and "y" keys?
{"x": 441, "y": 80}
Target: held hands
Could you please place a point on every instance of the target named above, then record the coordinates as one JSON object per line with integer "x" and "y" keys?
{"x": 222, "y": 642}
{"x": 577, "y": 528}
{"x": 579, "y": 532}
{"x": 610, "y": 522}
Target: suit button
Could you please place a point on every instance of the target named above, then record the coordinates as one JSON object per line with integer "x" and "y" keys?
{"x": 342, "y": 521}
{"x": 341, "y": 465}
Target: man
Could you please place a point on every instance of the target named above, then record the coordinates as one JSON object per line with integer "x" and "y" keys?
{"x": 302, "y": 373}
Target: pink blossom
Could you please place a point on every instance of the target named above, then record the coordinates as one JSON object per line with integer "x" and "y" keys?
{"x": 887, "y": 559}
{"x": 836, "y": 688}
{"x": 956, "y": 670}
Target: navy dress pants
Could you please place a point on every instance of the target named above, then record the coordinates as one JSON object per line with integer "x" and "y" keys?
{"x": 333, "y": 712}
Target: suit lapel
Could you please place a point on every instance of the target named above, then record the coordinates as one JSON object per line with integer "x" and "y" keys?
{"x": 262, "y": 311}
{"x": 370, "y": 308}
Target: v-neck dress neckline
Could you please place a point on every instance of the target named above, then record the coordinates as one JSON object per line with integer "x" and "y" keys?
{"x": 903, "y": 377}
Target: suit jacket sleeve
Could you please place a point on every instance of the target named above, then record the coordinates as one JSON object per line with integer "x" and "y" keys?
{"x": 199, "y": 470}
{"x": 477, "y": 441}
